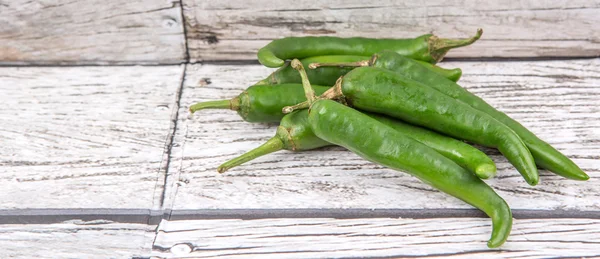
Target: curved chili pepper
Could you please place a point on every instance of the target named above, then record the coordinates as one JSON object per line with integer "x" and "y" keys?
{"x": 383, "y": 91}
{"x": 428, "y": 47}
{"x": 381, "y": 144}
{"x": 260, "y": 103}
{"x": 294, "y": 134}
{"x": 543, "y": 153}
{"x": 374, "y": 141}
{"x": 327, "y": 75}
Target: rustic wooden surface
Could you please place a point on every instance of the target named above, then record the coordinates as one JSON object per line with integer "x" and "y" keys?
{"x": 85, "y": 137}
{"x": 235, "y": 30}
{"x": 91, "y": 32}
{"x": 133, "y": 108}
{"x": 555, "y": 99}
{"x": 97, "y": 156}
{"x": 76, "y": 239}
{"x": 381, "y": 237}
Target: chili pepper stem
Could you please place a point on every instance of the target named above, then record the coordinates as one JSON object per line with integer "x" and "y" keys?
{"x": 272, "y": 145}
{"x": 300, "y": 106}
{"x": 308, "y": 90}
{"x": 333, "y": 93}
{"x": 362, "y": 63}
{"x": 439, "y": 47}
{"x": 233, "y": 104}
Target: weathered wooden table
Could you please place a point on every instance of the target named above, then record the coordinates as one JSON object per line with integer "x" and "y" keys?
{"x": 100, "y": 160}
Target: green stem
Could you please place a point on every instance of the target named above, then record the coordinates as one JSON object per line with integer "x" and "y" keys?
{"x": 333, "y": 93}
{"x": 362, "y": 63}
{"x": 439, "y": 47}
{"x": 308, "y": 90}
{"x": 272, "y": 145}
{"x": 233, "y": 104}
{"x": 299, "y": 106}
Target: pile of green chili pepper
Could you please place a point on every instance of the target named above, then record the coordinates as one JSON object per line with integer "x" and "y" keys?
{"x": 387, "y": 101}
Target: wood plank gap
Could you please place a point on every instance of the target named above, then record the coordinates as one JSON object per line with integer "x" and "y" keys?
{"x": 170, "y": 138}
{"x": 153, "y": 217}
{"x": 112, "y": 64}
{"x": 244, "y": 62}
{"x": 255, "y": 62}
{"x": 50, "y": 216}
{"x": 369, "y": 213}
{"x": 185, "y": 36}
{"x": 511, "y": 59}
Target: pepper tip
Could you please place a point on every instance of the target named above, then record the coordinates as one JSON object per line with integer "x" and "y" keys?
{"x": 478, "y": 34}
{"x": 485, "y": 171}
{"x": 533, "y": 182}
{"x": 491, "y": 244}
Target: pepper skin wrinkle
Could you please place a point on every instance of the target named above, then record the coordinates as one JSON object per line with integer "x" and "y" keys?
{"x": 428, "y": 48}
{"x": 382, "y": 91}
{"x": 381, "y": 144}
{"x": 261, "y": 103}
{"x": 544, "y": 154}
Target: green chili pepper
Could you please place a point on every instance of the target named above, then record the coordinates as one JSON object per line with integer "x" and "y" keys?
{"x": 260, "y": 103}
{"x": 428, "y": 48}
{"x": 320, "y": 76}
{"x": 383, "y": 91}
{"x": 461, "y": 153}
{"x": 327, "y": 75}
{"x": 294, "y": 134}
{"x": 379, "y": 143}
{"x": 544, "y": 155}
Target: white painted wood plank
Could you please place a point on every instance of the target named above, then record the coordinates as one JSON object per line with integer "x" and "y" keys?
{"x": 235, "y": 30}
{"x": 85, "y": 137}
{"x": 96, "y": 31}
{"x": 558, "y": 100}
{"x": 374, "y": 237}
{"x": 76, "y": 239}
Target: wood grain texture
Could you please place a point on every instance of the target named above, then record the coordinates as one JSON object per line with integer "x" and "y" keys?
{"x": 381, "y": 237}
{"x": 235, "y": 30}
{"x": 558, "y": 100}
{"x": 91, "y": 32}
{"x": 76, "y": 239}
{"x": 85, "y": 137}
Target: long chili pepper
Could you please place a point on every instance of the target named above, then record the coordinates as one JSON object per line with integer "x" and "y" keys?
{"x": 543, "y": 153}
{"x": 383, "y": 91}
{"x": 260, "y": 103}
{"x": 295, "y": 134}
{"x": 327, "y": 75}
{"x": 379, "y": 143}
{"x": 428, "y": 47}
